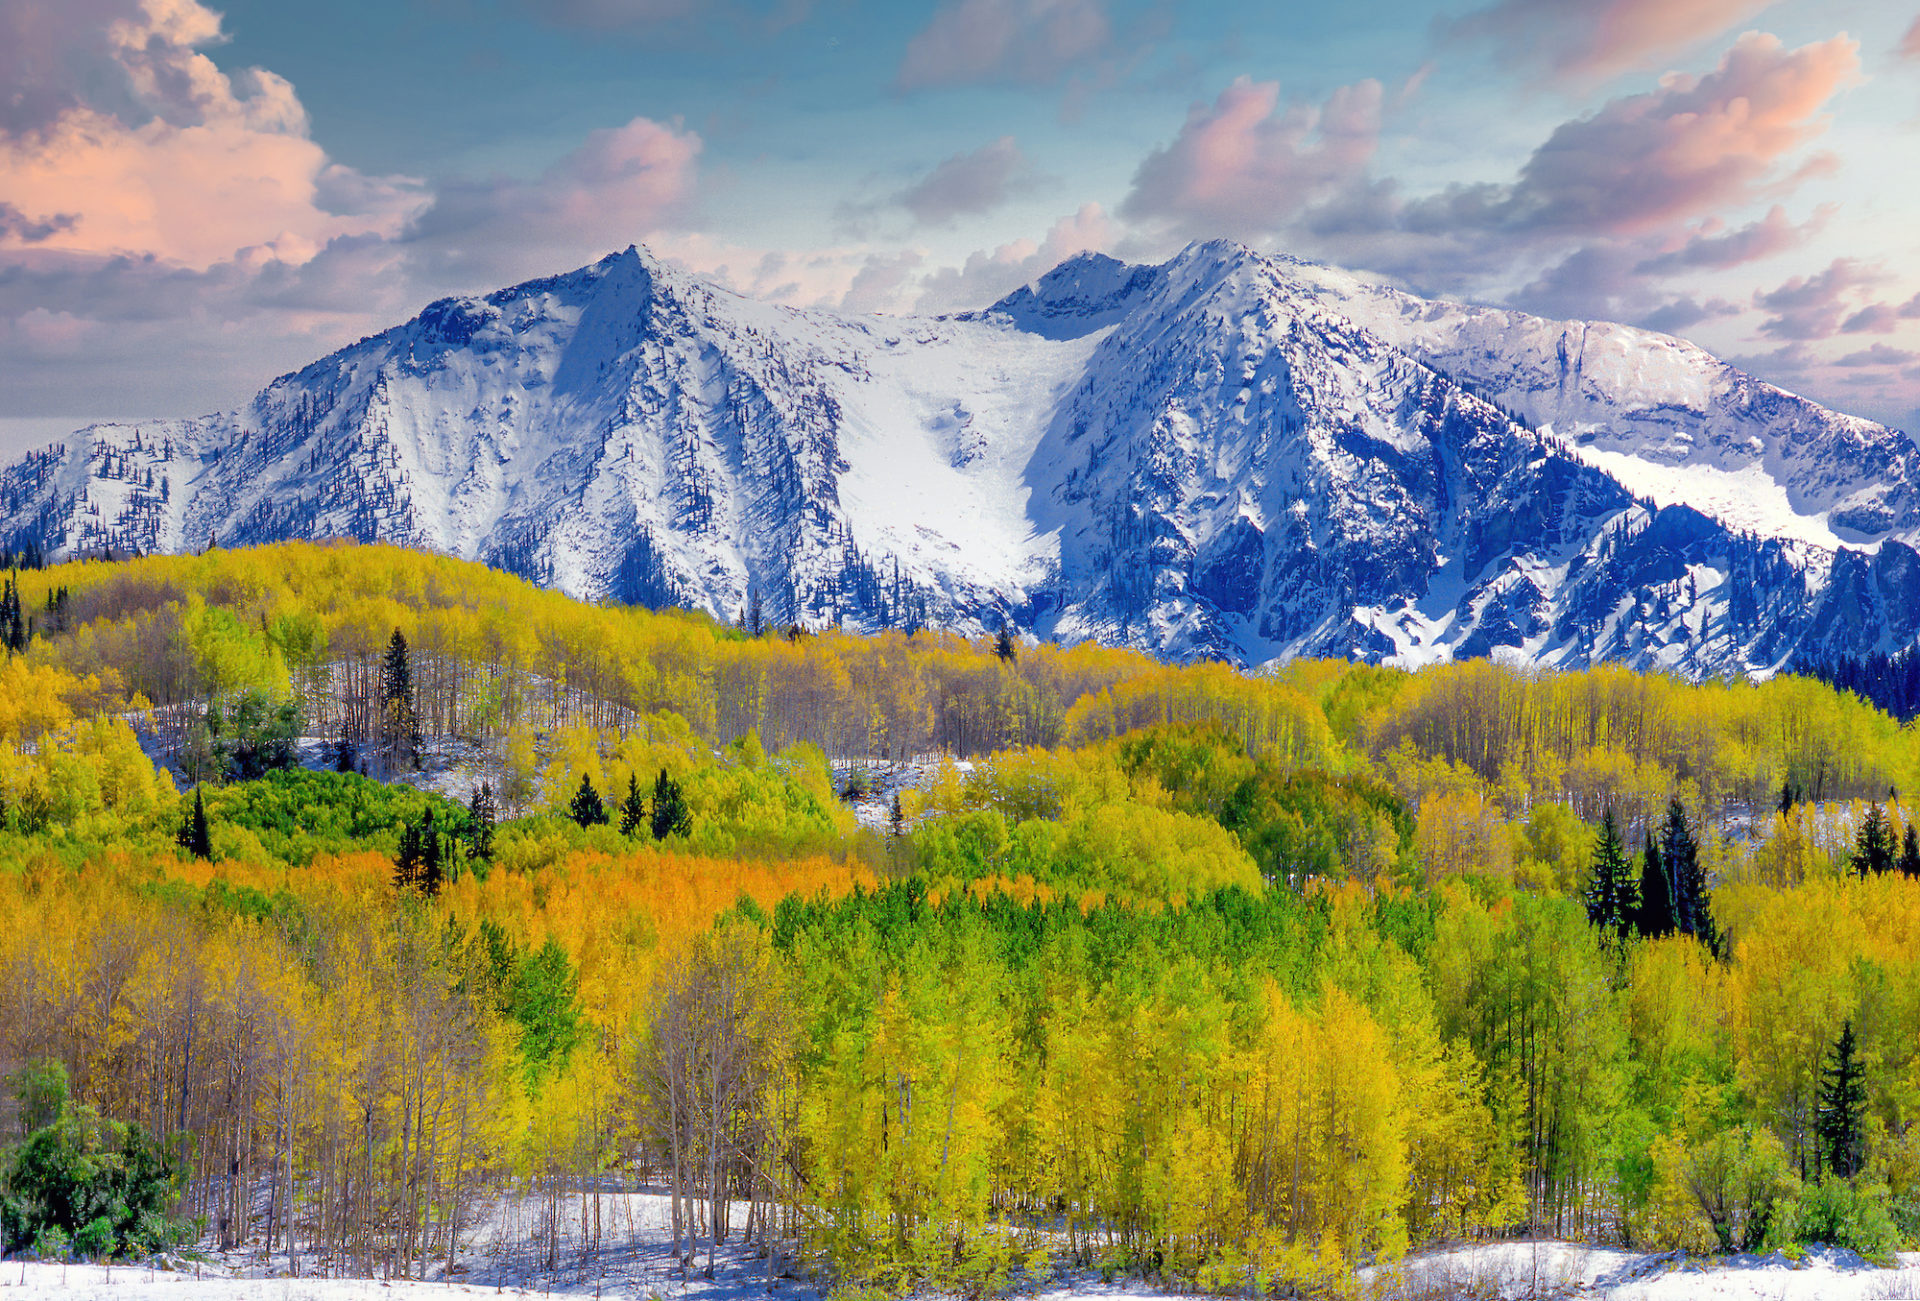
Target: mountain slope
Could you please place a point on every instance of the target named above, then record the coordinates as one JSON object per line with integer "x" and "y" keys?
{"x": 1227, "y": 455}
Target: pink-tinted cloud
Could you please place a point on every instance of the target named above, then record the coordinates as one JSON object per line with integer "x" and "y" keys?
{"x": 615, "y": 189}
{"x": 1589, "y": 40}
{"x": 968, "y": 184}
{"x": 1813, "y": 307}
{"x": 1878, "y": 355}
{"x": 1244, "y": 165}
{"x": 185, "y": 164}
{"x": 1692, "y": 147}
{"x": 1711, "y": 245}
{"x": 986, "y": 277}
{"x": 1023, "y": 41}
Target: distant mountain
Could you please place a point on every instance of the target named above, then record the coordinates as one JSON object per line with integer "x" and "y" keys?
{"x": 1228, "y": 455}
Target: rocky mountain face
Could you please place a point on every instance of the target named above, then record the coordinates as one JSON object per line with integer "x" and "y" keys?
{"x": 1228, "y": 455}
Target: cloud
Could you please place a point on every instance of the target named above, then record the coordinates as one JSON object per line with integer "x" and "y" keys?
{"x": 987, "y": 277}
{"x": 1692, "y": 147}
{"x": 1811, "y": 307}
{"x": 1019, "y": 41}
{"x": 1590, "y": 40}
{"x": 617, "y": 187}
{"x": 967, "y": 184}
{"x": 172, "y": 235}
{"x": 1244, "y": 165}
{"x": 177, "y": 159}
{"x": 877, "y": 286}
{"x": 1878, "y": 355}
{"x": 1681, "y": 314}
{"x": 1711, "y": 246}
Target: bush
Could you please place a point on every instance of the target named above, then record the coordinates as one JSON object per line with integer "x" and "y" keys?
{"x": 1838, "y": 1214}
{"x": 92, "y": 1186}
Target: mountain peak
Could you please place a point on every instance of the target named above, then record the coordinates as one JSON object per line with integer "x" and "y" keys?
{"x": 1227, "y": 454}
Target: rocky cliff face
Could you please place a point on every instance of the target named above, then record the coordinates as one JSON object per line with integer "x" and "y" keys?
{"x": 1228, "y": 455}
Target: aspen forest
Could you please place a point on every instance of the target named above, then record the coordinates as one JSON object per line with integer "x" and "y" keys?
{"x": 354, "y": 890}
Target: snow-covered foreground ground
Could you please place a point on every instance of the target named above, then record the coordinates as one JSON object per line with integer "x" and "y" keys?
{"x": 1557, "y": 1269}
{"x": 634, "y": 1261}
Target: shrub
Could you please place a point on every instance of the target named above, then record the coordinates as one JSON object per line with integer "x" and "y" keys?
{"x": 1838, "y": 1214}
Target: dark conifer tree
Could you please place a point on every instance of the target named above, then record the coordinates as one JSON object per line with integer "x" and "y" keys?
{"x": 433, "y": 864}
{"x": 587, "y": 809}
{"x": 1654, "y": 917}
{"x": 1910, "y": 853}
{"x": 406, "y": 863}
{"x": 1680, "y": 856}
{"x": 399, "y": 712}
{"x": 1612, "y": 895}
{"x": 1003, "y": 646}
{"x": 1874, "y": 850}
{"x": 670, "y": 813}
{"x": 481, "y": 816}
{"x": 633, "y": 809}
{"x": 193, "y": 835}
{"x": 1842, "y": 1108}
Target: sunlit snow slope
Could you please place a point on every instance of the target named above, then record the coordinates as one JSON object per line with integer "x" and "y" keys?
{"x": 1227, "y": 455}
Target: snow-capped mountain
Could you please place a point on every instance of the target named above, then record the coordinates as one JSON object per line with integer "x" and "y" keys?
{"x": 1228, "y": 455}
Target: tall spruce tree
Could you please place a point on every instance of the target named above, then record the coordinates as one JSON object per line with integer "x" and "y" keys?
{"x": 399, "y": 711}
{"x": 1842, "y": 1108}
{"x": 482, "y": 813}
{"x": 1680, "y": 856}
{"x": 633, "y": 809}
{"x": 587, "y": 808}
{"x": 1654, "y": 916}
{"x": 1874, "y": 849}
{"x": 670, "y": 813}
{"x": 1612, "y": 896}
{"x": 1910, "y": 853}
{"x": 193, "y": 835}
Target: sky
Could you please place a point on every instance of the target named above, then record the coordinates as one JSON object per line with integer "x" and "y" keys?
{"x": 195, "y": 199}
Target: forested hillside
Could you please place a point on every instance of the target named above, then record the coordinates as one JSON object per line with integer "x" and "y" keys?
{"x": 1228, "y": 979}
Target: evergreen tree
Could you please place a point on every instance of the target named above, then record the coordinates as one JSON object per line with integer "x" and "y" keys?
{"x": 1654, "y": 916}
{"x": 1874, "y": 852}
{"x": 406, "y": 863}
{"x": 586, "y": 809}
{"x": 433, "y": 864}
{"x": 1910, "y": 853}
{"x": 1003, "y": 647}
{"x": 633, "y": 809}
{"x": 481, "y": 816}
{"x": 193, "y": 835}
{"x": 670, "y": 813}
{"x": 399, "y": 713}
{"x": 1680, "y": 856}
{"x": 1612, "y": 896}
{"x": 1842, "y": 1108}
